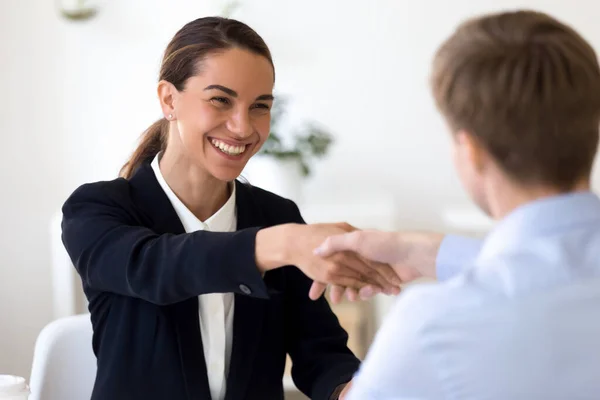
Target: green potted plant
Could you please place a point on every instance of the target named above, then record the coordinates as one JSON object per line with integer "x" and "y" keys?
{"x": 77, "y": 10}
{"x": 286, "y": 160}
{"x": 309, "y": 143}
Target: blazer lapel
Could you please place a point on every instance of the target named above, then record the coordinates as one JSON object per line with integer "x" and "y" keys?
{"x": 162, "y": 218}
{"x": 249, "y": 311}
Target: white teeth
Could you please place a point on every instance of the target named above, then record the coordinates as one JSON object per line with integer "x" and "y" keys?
{"x": 228, "y": 149}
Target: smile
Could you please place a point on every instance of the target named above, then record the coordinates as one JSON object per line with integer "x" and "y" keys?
{"x": 228, "y": 149}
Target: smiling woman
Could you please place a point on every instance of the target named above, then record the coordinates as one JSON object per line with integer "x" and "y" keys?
{"x": 221, "y": 111}
{"x": 215, "y": 93}
{"x": 237, "y": 149}
{"x": 198, "y": 285}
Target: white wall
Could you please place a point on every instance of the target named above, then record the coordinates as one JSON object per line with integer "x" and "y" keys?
{"x": 75, "y": 96}
{"x": 32, "y": 165}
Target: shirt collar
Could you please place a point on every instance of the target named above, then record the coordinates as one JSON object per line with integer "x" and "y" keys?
{"x": 224, "y": 220}
{"x": 539, "y": 218}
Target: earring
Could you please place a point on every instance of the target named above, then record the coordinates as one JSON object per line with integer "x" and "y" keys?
{"x": 170, "y": 116}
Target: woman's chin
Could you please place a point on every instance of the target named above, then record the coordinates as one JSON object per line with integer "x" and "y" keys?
{"x": 226, "y": 174}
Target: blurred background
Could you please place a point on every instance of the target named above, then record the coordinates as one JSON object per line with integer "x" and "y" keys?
{"x": 76, "y": 95}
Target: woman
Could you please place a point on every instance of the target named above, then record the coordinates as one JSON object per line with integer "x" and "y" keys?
{"x": 188, "y": 272}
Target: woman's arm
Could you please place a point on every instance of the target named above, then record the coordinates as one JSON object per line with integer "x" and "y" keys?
{"x": 112, "y": 254}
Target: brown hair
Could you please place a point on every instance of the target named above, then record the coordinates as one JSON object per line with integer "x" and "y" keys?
{"x": 182, "y": 60}
{"x": 527, "y": 87}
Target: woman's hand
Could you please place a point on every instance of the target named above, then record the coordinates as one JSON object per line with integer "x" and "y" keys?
{"x": 294, "y": 244}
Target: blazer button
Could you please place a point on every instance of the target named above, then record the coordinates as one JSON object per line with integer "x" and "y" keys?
{"x": 245, "y": 289}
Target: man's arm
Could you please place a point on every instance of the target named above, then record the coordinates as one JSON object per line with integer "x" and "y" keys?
{"x": 411, "y": 254}
{"x": 455, "y": 252}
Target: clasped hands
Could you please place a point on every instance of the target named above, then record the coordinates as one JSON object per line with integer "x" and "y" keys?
{"x": 354, "y": 263}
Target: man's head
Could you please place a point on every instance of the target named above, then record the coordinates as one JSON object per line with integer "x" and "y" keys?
{"x": 521, "y": 93}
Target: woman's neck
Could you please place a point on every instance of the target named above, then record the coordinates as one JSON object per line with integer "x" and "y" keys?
{"x": 199, "y": 191}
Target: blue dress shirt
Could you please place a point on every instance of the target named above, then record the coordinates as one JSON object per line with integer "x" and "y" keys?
{"x": 455, "y": 253}
{"x": 522, "y": 320}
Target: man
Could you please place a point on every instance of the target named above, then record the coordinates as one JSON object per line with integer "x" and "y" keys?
{"x": 520, "y": 92}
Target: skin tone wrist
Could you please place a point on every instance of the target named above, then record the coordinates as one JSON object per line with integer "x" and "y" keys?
{"x": 421, "y": 250}
{"x": 271, "y": 248}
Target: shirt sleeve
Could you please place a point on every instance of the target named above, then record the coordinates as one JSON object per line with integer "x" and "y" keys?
{"x": 397, "y": 366}
{"x": 454, "y": 254}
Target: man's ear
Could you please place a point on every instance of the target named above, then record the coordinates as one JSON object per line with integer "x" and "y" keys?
{"x": 166, "y": 95}
{"x": 471, "y": 148}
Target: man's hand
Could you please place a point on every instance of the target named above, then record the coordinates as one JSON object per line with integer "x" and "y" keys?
{"x": 410, "y": 254}
{"x": 346, "y": 269}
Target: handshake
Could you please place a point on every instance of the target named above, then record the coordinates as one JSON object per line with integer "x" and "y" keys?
{"x": 355, "y": 263}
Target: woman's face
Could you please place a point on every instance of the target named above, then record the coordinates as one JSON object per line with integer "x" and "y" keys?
{"x": 223, "y": 116}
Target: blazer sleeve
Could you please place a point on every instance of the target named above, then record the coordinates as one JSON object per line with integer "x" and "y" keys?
{"x": 113, "y": 253}
{"x": 317, "y": 344}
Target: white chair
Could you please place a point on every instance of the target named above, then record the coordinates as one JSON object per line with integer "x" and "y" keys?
{"x": 64, "y": 365}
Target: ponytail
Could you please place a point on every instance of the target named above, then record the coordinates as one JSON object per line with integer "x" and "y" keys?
{"x": 153, "y": 141}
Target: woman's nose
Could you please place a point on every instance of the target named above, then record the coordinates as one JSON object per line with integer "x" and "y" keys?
{"x": 240, "y": 125}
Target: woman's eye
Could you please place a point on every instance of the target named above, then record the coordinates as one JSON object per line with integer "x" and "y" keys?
{"x": 220, "y": 100}
{"x": 261, "y": 106}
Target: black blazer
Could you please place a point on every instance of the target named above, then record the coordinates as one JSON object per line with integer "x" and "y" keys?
{"x": 142, "y": 274}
